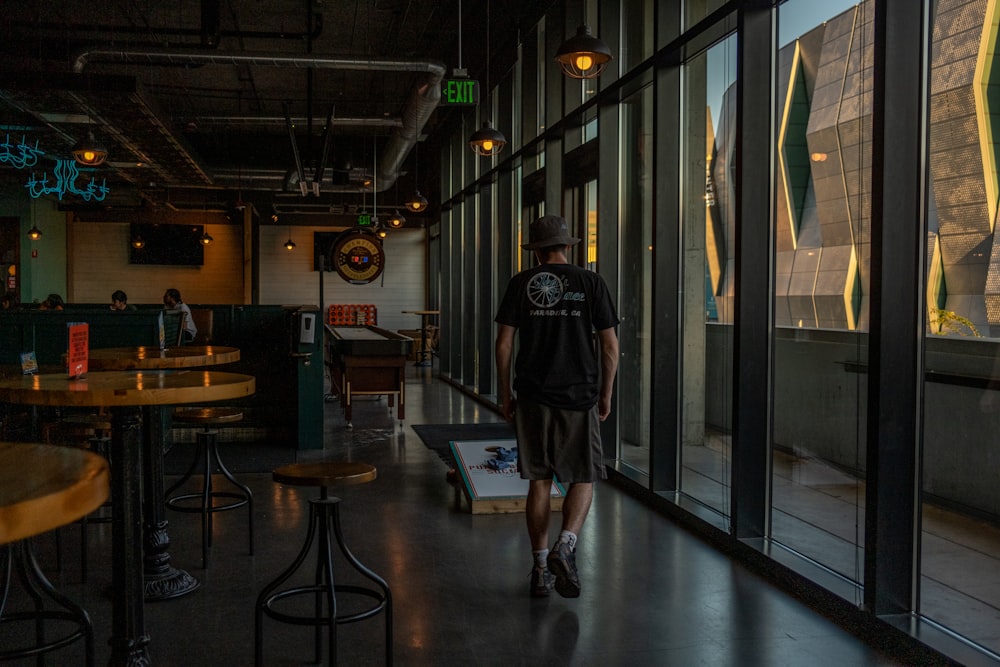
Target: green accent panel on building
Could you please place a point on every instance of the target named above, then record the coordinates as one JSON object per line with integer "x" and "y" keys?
{"x": 796, "y": 147}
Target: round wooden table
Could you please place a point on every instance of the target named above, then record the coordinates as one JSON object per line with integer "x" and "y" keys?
{"x": 43, "y": 487}
{"x": 126, "y": 393}
{"x": 146, "y": 358}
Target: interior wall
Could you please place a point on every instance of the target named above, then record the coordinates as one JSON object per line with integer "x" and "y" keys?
{"x": 99, "y": 266}
{"x": 287, "y": 277}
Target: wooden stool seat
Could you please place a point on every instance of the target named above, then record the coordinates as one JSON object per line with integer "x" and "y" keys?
{"x": 326, "y": 531}
{"x": 209, "y": 499}
{"x": 325, "y": 473}
{"x": 208, "y": 416}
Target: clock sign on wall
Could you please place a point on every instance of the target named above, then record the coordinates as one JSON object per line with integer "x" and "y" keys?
{"x": 358, "y": 257}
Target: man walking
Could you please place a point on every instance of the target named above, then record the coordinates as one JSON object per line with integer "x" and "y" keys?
{"x": 563, "y": 391}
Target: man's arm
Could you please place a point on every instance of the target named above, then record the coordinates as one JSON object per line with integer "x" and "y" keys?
{"x": 609, "y": 366}
{"x": 504, "y": 351}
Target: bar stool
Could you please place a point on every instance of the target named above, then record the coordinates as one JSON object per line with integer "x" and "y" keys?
{"x": 93, "y": 432}
{"x": 207, "y": 451}
{"x": 323, "y": 512}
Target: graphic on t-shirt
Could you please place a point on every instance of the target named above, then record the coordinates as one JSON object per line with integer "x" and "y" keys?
{"x": 545, "y": 289}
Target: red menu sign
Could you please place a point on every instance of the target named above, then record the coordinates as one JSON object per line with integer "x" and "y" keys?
{"x": 79, "y": 345}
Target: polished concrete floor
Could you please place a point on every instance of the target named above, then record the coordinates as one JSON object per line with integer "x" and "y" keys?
{"x": 653, "y": 594}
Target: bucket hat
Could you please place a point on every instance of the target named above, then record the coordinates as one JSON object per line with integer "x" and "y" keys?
{"x": 548, "y": 230}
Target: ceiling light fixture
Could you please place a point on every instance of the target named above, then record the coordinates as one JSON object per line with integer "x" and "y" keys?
{"x": 396, "y": 220}
{"x": 583, "y": 56}
{"x": 417, "y": 202}
{"x": 88, "y": 152}
{"x": 487, "y": 141}
{"x": 205, "y": 238}
{"x": 289, "y": 244}
{"x": 381, "y": 232}
{"x": 34, "y": 233}
{"x": 138, "y": 242}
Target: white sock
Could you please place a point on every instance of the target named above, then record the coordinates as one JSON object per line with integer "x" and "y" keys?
{"x": 540, "y": 558}
{"x": 567, "y": 536}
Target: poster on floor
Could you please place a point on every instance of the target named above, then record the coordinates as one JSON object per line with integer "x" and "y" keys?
{"x": 491, "y": 479}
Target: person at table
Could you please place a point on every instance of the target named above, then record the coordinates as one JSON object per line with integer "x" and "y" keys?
{"x": 172, "y": 299}
{"x": 52, "y": 302}
{"x": 119, "y": 301}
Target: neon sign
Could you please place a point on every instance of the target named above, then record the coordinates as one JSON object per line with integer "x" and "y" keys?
{"x": 65, "y": 174}
{"x": 19, "y": 155}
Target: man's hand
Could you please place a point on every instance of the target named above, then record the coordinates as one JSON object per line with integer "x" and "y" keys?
{"x": 507, "y": 406}
{"x": 603, "y": 407}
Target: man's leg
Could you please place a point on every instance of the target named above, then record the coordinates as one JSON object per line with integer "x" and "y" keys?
{"x": 537, "y": 512}
{"x": 576, "y": 505}
{"x": 562, "y": 558}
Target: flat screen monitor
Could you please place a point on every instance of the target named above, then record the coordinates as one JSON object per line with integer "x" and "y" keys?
{"x": 178, "y": 245}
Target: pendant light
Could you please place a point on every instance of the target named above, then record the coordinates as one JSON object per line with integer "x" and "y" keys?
{"x": 206, "y": 238}
{"x": 487, "y": 141}
{"x": 416, "y": 202}
{"x": 583, "y": 56}
{"x": 88, "y": 152}
{"x": 396, "y": 220}
{"x": 289, "y": 244}
{"x": 34, "y": 233}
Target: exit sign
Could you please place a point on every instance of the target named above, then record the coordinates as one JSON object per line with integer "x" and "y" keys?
{"x": 459, "y": 92}
{"x": 364, "y": 220}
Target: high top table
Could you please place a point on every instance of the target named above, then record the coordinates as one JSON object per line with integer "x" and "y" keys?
{"x": 126, "y": 393}
{"x": 148, "y": 358}
{"x": 425, "y": 315}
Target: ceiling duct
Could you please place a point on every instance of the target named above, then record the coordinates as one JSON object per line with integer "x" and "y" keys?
{"x": 422, "y": 102}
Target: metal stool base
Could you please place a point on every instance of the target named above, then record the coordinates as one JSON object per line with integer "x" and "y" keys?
{"x": 20, "y": 557}
{"x": 323, "y": 512}
{"x": 208, "y": 452}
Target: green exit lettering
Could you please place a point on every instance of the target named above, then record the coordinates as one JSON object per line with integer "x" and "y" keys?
{"x": 364, "y": 220}
{"x": 460, "y": 92}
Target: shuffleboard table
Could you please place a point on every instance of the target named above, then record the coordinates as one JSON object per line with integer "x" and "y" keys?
{"x": 367, "y": 360}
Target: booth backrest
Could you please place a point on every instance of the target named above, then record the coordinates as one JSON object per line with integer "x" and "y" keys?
{"x": 44, "y": 331}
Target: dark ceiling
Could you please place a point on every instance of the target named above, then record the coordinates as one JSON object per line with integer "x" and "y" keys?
{"x": 197, "y": 100}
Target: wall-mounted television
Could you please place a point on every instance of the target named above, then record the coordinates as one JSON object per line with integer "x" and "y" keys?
{"x": 178, "y": 245}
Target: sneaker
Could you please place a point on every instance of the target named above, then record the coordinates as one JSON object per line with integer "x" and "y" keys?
{"x": 562, "y": 564}
{"x": 541, "y": 582}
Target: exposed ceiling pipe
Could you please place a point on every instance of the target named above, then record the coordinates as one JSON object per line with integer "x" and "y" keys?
{"x": 423, "y": 99}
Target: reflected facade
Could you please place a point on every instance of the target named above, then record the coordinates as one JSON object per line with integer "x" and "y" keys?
{"x": 660, "y": 171}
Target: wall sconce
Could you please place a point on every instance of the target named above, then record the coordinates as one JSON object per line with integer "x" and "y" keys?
{"x": 583, "y": 56}
{"x": 396, "y": 220}
{"x": 138, "y": 242}
{"x": 205, "y": 239}
{"x": 417, "y": 202}
{"x": 487, "y": 140}
{"x": 289, "y": 244}
{"x": 34, "y": 233}
{"x": 88, "y": 152}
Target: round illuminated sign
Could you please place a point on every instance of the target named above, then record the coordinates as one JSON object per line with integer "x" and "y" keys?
{"x": 358, "y": 258}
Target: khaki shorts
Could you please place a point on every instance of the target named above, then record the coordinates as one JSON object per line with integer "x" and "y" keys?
{"x": 563, "y": 443}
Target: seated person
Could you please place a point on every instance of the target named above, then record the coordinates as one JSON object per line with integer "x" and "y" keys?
{"x": 119, "y": 301}
{"x": 172, "y": 300}
{"x": 52, "y": 302}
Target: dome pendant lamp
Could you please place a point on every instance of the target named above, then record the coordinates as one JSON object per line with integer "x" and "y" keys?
{"x": 583, "y": 56}
{"x": 487, "y": 140}
{"x": 88, "y": 152}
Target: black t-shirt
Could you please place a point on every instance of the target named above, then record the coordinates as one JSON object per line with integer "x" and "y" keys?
{"x": 556, "y": 308}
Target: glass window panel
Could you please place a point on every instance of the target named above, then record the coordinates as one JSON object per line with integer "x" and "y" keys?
{"x": 696, "y": 10}
{"x": 960, "y": 540}
{"x": 634, "y": 297}
{"x": 708, "y": 222}
{"x": 821, "y": 230}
